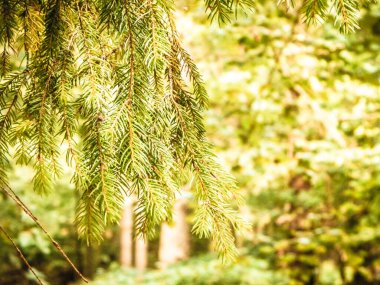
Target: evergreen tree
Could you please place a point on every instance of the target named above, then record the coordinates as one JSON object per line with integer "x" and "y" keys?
{"x": 110, "y": 81}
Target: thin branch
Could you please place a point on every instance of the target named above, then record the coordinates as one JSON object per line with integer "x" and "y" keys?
{"x": 21, "y": 255}
{"x": 18, "y": 201}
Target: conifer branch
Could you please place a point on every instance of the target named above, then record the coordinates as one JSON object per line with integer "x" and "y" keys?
{"x": 315, "y": 11}
{"x": 348, "y": 14}
{"x": 11, "y": 194}
{"x": 21, "y": 255}
{"x": 9, "y": 10}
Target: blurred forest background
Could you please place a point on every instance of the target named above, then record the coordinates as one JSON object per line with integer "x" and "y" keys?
{"x": 295, "y": 116}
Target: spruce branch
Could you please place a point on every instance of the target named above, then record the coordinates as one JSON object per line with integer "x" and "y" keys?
{"x": 348, "y": 14}
{"x": 315, "y": 11}
{"x": 9, "y": 9}
{"x": 22, "y": 256}
{"x": 11, "y": 194}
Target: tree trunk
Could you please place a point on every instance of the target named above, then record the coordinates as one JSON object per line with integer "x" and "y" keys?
{"x": 91, "y": 261}
{"x": 141, "y": 250}
{"x": 126, "y": 234}
{"x": 175, "y": 238}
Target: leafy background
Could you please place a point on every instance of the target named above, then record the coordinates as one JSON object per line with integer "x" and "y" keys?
{"x": 294, "y": 114}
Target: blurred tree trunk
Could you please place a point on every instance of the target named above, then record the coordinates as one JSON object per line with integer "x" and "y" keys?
{"x": 126, "y": 234}
{"x": 141, "y": 253}
{"x": 90, "y": 261}
{"x": 175, "y": 237}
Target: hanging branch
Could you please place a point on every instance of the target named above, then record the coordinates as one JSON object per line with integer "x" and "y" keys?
{"x": 21, "y": 255}
{"x": 10, "y": 193}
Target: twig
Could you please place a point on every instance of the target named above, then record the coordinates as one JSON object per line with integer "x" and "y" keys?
{"x": 18, "y": 201}
{"x": 21, "y": 255}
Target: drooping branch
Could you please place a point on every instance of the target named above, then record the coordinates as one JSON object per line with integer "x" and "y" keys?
{"x": 11, "y": 194}
{"x": 21, "y": 255}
